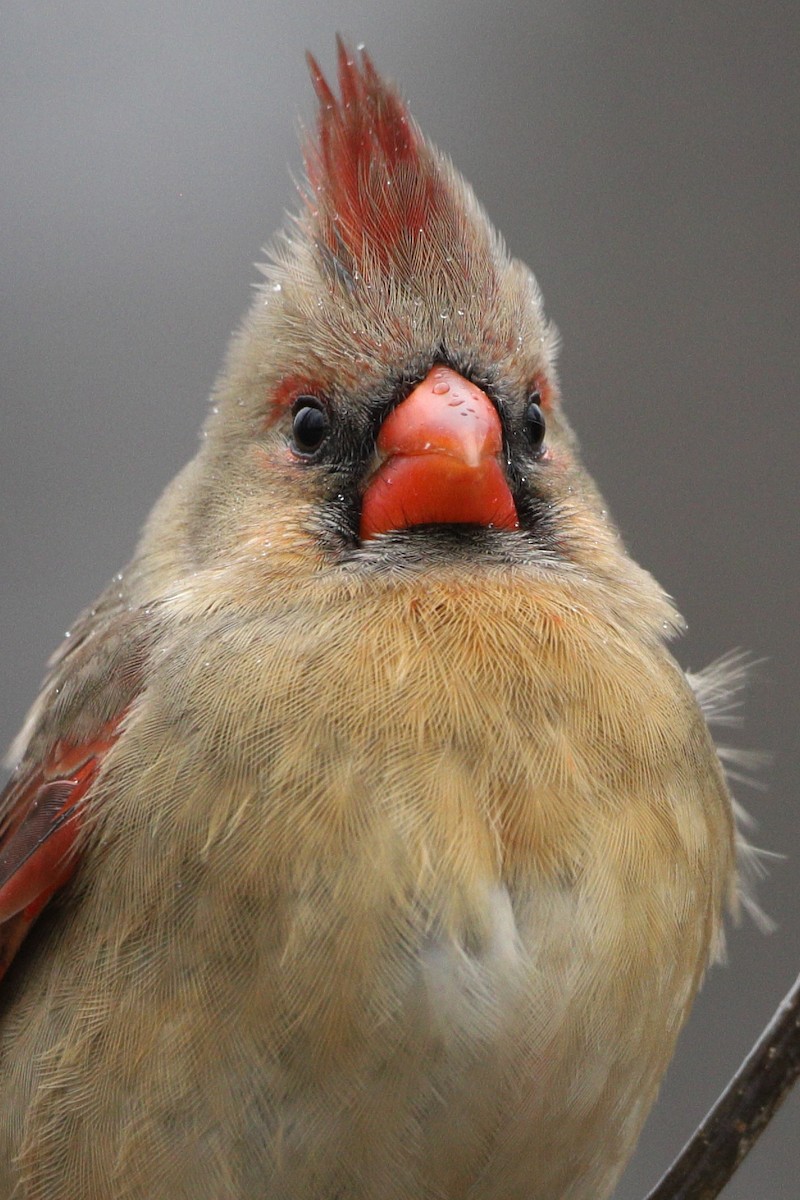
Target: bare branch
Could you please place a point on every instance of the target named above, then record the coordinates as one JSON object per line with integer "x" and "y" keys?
{"x": 742, "y": 1112}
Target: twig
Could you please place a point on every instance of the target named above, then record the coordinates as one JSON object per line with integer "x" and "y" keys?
{"x": 742, "y": 1112}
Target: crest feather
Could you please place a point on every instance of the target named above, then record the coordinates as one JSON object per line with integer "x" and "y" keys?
{"x": 375, "y": 184}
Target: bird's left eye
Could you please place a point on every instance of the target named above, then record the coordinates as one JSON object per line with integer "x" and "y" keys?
{"x": 310, "y": 425}
{"x": 534, "y": 421}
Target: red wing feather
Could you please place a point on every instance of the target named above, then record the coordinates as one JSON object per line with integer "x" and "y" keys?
{"x": 42, "y": 816}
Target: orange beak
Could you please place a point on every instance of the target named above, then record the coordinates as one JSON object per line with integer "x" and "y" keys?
{"x": 441, "y": 461}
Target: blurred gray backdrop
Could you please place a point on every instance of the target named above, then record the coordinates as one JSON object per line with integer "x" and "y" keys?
{"x": 642, "y": 157}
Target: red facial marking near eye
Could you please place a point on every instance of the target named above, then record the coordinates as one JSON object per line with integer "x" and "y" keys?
{"x": 286, "y": 392}
{"x": 546, "y": 392}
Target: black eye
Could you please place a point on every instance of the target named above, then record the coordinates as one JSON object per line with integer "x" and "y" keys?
{"x": 534, "y": 421}
{"x": 310, "y": 424}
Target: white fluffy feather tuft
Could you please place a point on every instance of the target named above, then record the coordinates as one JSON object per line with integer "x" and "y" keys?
{"x": 719, "y": 689}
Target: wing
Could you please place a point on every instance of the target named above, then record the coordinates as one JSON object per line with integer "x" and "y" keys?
{"x": 42, "y": 813}
{"x": 78, "y": 717}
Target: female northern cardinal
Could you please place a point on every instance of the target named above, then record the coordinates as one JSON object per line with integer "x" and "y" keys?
{"x": 390, "y": 843}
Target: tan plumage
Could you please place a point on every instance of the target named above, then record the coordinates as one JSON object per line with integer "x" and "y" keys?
{"x": 401, "y": 874}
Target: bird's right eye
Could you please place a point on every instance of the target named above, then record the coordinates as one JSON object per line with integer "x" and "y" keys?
{"x": 535, "y": 425}
{"x": 310, "y": 425}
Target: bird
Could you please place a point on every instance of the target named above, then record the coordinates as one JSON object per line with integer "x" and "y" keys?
{"x": 366, "y": 840}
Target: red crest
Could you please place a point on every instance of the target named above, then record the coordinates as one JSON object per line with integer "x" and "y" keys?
{"x": 375, "y": 182}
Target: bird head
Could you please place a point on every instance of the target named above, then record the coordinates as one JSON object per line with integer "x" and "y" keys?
{"x": 392, "y": 395}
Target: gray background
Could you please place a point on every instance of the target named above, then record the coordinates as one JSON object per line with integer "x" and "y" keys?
{"x": 642, "y": 157}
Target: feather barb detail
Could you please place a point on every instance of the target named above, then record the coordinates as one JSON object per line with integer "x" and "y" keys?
{"x": 374, "y": 183}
